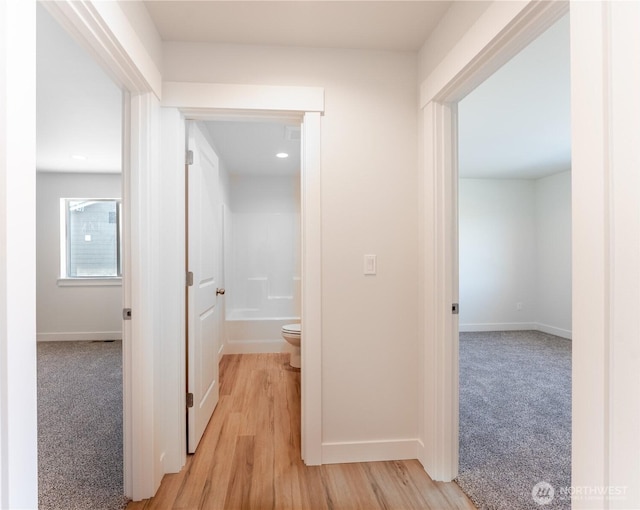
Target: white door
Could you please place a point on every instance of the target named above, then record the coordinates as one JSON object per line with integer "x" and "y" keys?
{"x": 203, "y": 252}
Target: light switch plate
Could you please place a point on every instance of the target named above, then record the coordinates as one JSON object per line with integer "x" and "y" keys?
{"x": 370, "y": 264}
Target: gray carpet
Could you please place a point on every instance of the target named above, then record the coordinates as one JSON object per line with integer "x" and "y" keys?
{"x": 80, "y": 426}
{"x": 515, "y": 419}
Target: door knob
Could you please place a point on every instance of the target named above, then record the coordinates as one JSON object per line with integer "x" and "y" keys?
{"x": 219, "y": 292}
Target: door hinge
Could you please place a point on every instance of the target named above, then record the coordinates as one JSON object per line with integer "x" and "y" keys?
{"x": 189, "y": 399}
{"x": 455, "y": 308}
{"x": 126, "y": 314}
{"x": 189, "y": 279}
{"x": 189, "y": 158}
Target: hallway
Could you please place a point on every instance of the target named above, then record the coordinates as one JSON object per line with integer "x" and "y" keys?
{"x": 249, "y": 456}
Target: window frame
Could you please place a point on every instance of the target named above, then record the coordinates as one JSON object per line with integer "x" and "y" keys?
{"x": 66, "y": 279}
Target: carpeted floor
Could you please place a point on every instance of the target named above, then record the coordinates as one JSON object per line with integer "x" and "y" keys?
{"x": 515, "y": 419}
{"x": 80, "y": 426}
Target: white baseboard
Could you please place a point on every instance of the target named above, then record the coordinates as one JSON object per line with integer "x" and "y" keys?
{"x": 552, "y": 330}
{"x": 79, "y": 336}
{"x": 255, "y": 346}
{"x": 370, "y": 451}
{"x": 515, "y": 326}
{"x": 497, "y": 326}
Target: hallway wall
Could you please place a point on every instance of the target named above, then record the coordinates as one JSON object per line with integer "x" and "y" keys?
{"x": 369, "y": 205}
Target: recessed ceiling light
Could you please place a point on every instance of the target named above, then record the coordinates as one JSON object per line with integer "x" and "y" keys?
{"x": 79, "y": 157}
{"x": 282, "y": 155}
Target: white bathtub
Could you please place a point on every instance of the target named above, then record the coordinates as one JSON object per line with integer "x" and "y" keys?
{"x": 245, "y": 335}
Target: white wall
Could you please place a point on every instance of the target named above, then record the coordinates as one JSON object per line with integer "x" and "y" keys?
{"x": 263, "y": 266}
{"x": 497, "y": 254}
{"x": 553, "y": 254}
{"x": 270, "y": 194}
{"x": 369, "y": 205}
{"x": 515, "y": 248}
{"x": 458, "y": 19}
{"x": 86, "y": 312}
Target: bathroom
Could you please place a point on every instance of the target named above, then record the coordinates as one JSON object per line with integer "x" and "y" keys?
{"x": 261, "y": 212}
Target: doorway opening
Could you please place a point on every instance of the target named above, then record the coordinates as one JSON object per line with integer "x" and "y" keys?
{"x": 514, "y": 247}
{"x": 255, "y": 253}
{"x": 272, "y": 103}
{"x": 440, "y": 95}
{"x": 260, "y": 177}
{"x": 79, "y": 248}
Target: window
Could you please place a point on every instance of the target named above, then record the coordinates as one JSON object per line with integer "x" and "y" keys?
{"x": 91, "y": 238}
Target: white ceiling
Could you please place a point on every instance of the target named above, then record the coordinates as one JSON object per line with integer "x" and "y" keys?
{"x": 250, "y": 147}
{"x": 78, "y": 107}
{"x": 381, "y": 25}
{"x": 517, "y": 124}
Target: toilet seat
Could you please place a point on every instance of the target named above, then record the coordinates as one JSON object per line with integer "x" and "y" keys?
{"x": 291, "y": 329}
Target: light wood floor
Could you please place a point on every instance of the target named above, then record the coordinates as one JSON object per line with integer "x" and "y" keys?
{"x": 249, "y": 457}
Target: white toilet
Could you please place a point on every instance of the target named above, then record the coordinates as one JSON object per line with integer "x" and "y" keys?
{"x": 292, "y": 334}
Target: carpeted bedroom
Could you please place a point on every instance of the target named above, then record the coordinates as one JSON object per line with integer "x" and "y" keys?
{"x": 80, "y": 463}
{"x": 515, "y": 419}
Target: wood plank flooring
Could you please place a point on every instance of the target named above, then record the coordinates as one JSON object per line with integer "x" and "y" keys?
{"x": 249, "y": 457}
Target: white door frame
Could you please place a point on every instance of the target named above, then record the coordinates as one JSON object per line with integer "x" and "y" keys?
{"x": 18, "y": 391}
{"x": 201, "y": 101}
{"x": 486, "y": 51}
{"x": 91, "y": 26}
{"x": 605, "y": 104}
